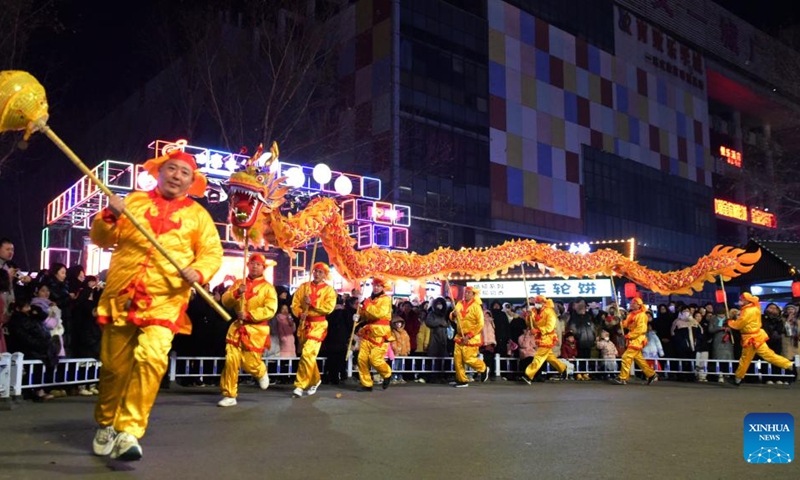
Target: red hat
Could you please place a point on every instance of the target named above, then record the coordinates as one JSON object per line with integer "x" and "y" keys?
{"x": 257, "y": 257}
{"x": 637, "y": 300}
{"x": 474, "y": 290}
{"x": 322, "y": 266}
{"x": 380, "y": 281}
{"x": 198, "y": 188}
{"x": 540, "y": 299}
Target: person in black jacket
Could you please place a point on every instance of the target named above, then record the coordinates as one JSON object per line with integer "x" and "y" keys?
{"x": 340, "y": 325}
{"x": 502, "y": 327}
{"x": 28, "y": 335}
{"x": 583, "y": 326}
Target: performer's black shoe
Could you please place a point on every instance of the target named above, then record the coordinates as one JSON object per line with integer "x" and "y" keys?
{"x": 364, "y": 389}
{"x": 462, "y": 384}
{"x": 735, "y": 381}
{"x": 618, "y": 381}
{"x": 386, "y": 382}
{"x": 484, "y": 376}
{"x": 527, "y": 380}
{"x": 652, "y": 378}
{"x": 563, "y": 375}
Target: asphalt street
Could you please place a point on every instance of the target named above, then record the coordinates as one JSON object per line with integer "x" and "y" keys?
{"x": 497, "y": 430}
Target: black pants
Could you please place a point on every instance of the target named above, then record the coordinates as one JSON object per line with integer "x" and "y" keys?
{"x": 336, "y": 367}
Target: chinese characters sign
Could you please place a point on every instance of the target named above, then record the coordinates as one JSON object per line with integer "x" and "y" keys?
{"x": 731, "y": 156}
{"x": 548, "y": 288}
{"x": 741, "y": 213}
{"x": 650, "y": 48}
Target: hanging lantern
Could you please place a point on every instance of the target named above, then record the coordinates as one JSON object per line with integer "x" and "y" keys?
{"x": 796, "y": 288}
{"x": 630, "y": 290}
{"x": 720, "y": 296}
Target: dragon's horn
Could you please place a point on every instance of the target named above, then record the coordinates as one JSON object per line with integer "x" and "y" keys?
{"x": 274, "y": 150}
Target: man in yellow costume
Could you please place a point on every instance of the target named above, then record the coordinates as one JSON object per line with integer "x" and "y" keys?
{"x": 754, "y": 339}
{"x": 376, "y": 313}
{"x": 636, "y": 339}
{"x": 145, "y": 299}
{"x": 468, "y": 315}
{"x": 312, "y": 302}
{"x": 544, "y": 322}
{"x": 254, "y": 300}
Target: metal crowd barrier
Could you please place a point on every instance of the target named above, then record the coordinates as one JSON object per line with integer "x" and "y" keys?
{"x": 199, "y": 367}
{"x": 17, "y": 374}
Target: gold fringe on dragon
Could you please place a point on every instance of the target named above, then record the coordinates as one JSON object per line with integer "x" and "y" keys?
{"x": 256, "y": 194}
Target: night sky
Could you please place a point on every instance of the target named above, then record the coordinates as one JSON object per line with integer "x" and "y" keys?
{"x": 90, "y": 55}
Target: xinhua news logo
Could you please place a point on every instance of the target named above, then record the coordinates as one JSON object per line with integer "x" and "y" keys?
{"x": 769, "y": 438}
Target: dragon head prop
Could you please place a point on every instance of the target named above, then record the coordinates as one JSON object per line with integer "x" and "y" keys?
{"x": 254, "y": 191}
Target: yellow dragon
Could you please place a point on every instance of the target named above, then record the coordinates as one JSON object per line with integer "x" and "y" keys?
{"x": 256, "y": 193}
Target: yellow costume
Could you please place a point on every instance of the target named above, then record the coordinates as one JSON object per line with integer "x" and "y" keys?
{"x": 754, "y": 338}
{"x": 636, "y": 339}
{"x": 544, "y": 324}
{"x": 469, "y": 319}
{"x": 376, "y": 312}
{"x": 247, "y": 338}
{"x": 312, "y": 330}
{"x": 145, "y": 299}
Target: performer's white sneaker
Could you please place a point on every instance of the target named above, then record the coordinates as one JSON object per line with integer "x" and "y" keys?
{"x": 263, "y": 382}
{"x": 313, "y": 388}
{"x": 297, "y": 392}
{"x": 226, "y": 402}
{"x": 126, "y": 448}
{"x": 104, "y": 441}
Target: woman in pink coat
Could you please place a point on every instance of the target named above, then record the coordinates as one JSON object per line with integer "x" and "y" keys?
{"x": 284, "y": 324}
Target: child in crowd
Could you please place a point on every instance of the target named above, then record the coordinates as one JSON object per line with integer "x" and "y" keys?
{"x": 608, "y": 352}
{"x": 569, "y": 351}
{"x": 400, "y": 346}
{"x": 653, "y": 350}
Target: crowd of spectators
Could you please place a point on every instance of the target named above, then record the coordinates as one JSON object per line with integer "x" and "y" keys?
{"x": 51, "y": 314}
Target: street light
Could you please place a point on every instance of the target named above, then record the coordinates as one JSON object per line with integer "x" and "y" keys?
{"x": 343, "y": 185}
{"x": 322, "y": 174}
{"x": 295, "y": 177}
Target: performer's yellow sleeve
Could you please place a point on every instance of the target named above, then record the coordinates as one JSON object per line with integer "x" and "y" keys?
{"x": 637, "y": 325}
{"x": 321, "y": 307}
{"x": 207, "y": 250}
{"x": 472, "y": 322}
{"x": 547, "y": 323}
{"x": 380, "y": 309}
{"x": 749, "y": 320}
{"x": 260, "y": 307}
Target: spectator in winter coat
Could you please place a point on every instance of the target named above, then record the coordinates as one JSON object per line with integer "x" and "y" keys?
{"x": 400, "y": 346}
{"x": 286, "y": 327}
{"x": 653, "y": 349}
{"x": 790, "y": 332}
{"x": 774, "y": 326}
{"x": 582, "y": 325}
{"x": 526, "y": 349}
{"x": 437, "y": 320}
{"x": 489, "y": 347}
{"x": 608, "y": 352}
{"x": 721, "y": 342}
{"x": 340, "y": 327}
{"x": 412, "y": 323}
{"x": 502, "y": 325}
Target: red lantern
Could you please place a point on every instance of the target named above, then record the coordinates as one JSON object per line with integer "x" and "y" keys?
{"x": 796, "y": 289}
{"x": 630, "y": 290}
{"x": 720, "y": 296}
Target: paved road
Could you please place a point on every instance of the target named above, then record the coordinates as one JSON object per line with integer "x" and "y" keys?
{"x": 498, "y": 430}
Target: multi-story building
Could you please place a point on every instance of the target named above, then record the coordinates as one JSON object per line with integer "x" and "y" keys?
{"x": 566, "y": 120}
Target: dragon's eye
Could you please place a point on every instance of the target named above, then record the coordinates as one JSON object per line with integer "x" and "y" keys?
{"x": 260, "y": 178}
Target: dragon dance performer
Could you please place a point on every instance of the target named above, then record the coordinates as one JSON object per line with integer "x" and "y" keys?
{"x": 544, "y": 324}
{"x": 636, "y": 339}
{"x": 249, "y": 333}
{"x": 376, "y": 312}
{"x": 754, "y": 338}
{"x": 468, "y": 315}
{"x": 144, "y": 302}
{"x": 312, "y": 302}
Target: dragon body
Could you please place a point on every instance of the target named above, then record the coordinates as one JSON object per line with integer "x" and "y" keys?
{"x": 266, "y": 226}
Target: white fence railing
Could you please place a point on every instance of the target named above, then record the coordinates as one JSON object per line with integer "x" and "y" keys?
{"x": 17, "y": 374}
